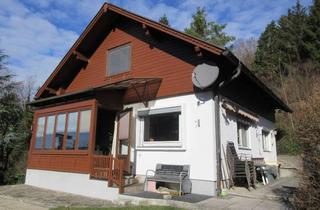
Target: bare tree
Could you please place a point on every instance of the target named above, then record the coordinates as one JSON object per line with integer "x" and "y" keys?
{"x": 245, "y": 50}
{"x": 27, "y": 90}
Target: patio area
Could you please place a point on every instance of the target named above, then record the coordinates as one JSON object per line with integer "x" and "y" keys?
{"x": 271, "y": 196}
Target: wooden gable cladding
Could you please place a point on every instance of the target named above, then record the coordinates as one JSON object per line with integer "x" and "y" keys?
{"x": 171, "y": 60}
{"x": 64, "y": 160}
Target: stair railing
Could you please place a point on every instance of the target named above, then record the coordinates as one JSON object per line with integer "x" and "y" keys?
{"x": 108, "y": 168}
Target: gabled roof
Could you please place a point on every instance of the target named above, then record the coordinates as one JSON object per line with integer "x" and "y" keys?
{"x": 103, "y": 17}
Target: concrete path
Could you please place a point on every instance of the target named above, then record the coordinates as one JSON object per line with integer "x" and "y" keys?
{"x": 25, "y": 197}
{"x": 229, "y": 203}
{"x": 9, "y": 203}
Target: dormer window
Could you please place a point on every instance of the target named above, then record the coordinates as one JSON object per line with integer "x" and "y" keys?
{"x": 119, "y": 60}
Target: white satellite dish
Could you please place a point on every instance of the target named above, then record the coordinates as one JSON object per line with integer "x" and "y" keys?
{"x": 204, "y": 75}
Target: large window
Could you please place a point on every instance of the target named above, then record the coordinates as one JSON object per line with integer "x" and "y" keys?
{"x": 60, "y": 128}
{"x": 49, "y": 132}
{"x": 243, "y": 134}
{"x": 84, "y": 129}
{"x": 119, "y": 60}
{"x": 266, "y": 141}
{"x": 72, "y": 130}
{"x": 40, "y": 132}
{"x": 161, "y": 125}
{"x": 64, "y": 131}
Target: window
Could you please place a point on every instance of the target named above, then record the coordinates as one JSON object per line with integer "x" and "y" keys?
{"x": 243, "y": 134}
{"x": 49, "y": 132}
{"x": 266, "y": 141}
{"x": 119, "y": 60}
{"x": 40, "y": 132}
{"x": 60, "y": 128}
{"x": 84, "y": 129}
{"x": 161, "y": 125}
{"x": 64, "y": 131}
{"x": 72, "y": 130}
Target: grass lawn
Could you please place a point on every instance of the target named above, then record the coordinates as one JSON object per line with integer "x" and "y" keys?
{"x": 122, "y": 208}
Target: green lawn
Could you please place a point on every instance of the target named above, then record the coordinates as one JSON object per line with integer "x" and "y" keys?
{"x": 122, "y": 208}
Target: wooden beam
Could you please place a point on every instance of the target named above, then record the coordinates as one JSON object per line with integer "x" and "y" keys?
{"x": 142, "y": 97}
{"x": 105, "y": 8}
{"x": 145, "y": 29}
{"x": 80, "y": 56}
{"x": 51, "y": 90}
{"x": 61, "y": 91}
{"x": 144, "y": 26}
{"x": 198, "y": 51}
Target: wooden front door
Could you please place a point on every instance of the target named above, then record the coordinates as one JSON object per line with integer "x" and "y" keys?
{"x": 124, "y": 139}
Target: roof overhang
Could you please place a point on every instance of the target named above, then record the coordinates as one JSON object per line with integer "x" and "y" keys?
{"x": 120, "y": 85}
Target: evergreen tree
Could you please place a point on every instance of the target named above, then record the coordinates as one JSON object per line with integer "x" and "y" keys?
{"x": 292, "y": 27}
{"x": 164, "y": 20}
{"x": 312, "y": 32}
{"x": 15, "y": 122}
{"x": 268, "y": 56}
{"x": 209, "y": 31}
{"x": 281, "y": 45}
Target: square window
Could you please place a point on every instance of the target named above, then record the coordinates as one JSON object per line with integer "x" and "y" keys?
{"x": 161, "y": 125}
{"x": 243, "y": 134}
{"x": 119, "y": 60}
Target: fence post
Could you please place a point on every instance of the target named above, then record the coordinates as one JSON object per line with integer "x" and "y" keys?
{"x": 121, "y": 184}
{"x": 110, "y": 175}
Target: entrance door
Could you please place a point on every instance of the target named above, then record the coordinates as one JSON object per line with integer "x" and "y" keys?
{"x": 124, "y": 138}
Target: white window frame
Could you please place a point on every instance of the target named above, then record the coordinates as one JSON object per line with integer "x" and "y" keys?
{"x": 156, "y": 145}
{"x": 268, "y": 140}
{"x": 240, "y": 145}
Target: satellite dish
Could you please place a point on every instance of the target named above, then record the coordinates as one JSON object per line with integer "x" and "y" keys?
{"x": 204, "y": 75}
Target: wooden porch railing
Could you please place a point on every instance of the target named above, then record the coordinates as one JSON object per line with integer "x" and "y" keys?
{"x": 108, "y": 168}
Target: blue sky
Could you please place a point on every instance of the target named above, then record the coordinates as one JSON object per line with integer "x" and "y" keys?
{"x": 37, "y": 33}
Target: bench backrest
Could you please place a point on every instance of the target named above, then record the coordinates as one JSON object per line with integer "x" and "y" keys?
{"x": 172, "y": 170}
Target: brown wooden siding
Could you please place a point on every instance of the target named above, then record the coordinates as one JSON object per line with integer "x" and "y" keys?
{"x": 171, "y": 60}
{"x": 63, "y": 160}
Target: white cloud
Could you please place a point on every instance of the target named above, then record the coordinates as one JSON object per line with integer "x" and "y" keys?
{"x": 34, "y": 45}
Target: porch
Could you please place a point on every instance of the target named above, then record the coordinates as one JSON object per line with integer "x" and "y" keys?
{"x": 88, "y": 132}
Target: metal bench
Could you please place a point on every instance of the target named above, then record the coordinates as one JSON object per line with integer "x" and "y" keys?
{"x": 178, "y": 174}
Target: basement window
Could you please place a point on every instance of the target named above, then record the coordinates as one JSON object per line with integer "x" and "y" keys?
{"x": 119, "y": 60}
{"x": 243, "y": 134}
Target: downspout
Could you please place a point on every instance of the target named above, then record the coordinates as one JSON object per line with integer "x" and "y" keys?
{"x": 217, "y": 99}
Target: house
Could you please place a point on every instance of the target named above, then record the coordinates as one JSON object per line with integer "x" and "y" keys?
{"x": 122, "y": 100}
